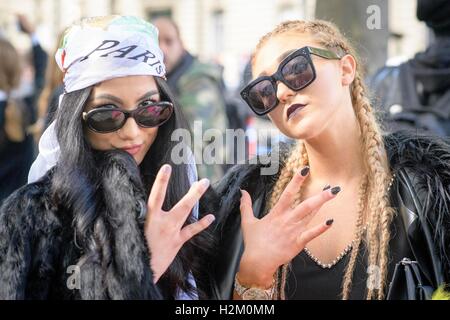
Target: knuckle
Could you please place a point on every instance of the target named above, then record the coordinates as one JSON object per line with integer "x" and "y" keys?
{"x": 195, "y": 191}
{"x": 188, "y": 234}
{"x": 204, "y": 224}
{"x": 199, "y": 192}
{"x": 325, "y": 196}
{"x": 193, "y": 187}
{"x": 300, "y": 241}
{"x": 307, "y": 206}
{"x": 185, "y": 206}
{"x": 296, "y": 178}
{"x": 287, "y": 194}
{"x": 156, "y": 198}
{"x": 163, "y": 178}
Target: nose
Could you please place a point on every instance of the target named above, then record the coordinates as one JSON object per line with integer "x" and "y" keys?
{"x": 284, "y": 93}
{"x": 130, "y": 130}
{"x": 163, "y": 48}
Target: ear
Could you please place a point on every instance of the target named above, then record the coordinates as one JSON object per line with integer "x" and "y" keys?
{"x": 348, "y": 69}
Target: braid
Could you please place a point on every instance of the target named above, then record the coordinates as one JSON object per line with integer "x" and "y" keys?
{"x": 377, "y": 212}
{"x": 357, "y": 242}
{"x": 380, "y": 214}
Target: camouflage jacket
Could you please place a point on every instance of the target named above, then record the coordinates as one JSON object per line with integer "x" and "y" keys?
{"x": 199, "y": 88}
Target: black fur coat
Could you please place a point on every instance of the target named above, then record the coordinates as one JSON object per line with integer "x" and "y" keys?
{"x": 39, "y": 254}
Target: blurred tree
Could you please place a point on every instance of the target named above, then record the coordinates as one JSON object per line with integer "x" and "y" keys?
{"x": 113, "y": 6}
{"x": 365, "y": 22}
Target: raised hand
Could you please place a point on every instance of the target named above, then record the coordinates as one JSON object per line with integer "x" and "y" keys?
{"x": 164, "y": 230}
{"x": 282, "y": 234}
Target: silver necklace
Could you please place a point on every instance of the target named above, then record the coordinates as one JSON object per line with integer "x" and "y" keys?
{"x": 344, "y": 252}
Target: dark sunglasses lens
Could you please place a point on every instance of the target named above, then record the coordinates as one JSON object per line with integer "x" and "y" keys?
{"x": 154, "y": 115}
{"x": 262, "y": 96}
{"x": 298, "y": 73}
{"x": 106, "y": 120}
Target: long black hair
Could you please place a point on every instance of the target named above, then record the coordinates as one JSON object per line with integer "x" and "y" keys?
{"x": 81, "y": 185}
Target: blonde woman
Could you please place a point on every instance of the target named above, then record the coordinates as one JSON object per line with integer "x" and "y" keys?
{"x": 343, "y": 209}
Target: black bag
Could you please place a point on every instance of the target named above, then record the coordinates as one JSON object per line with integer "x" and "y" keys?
{"x": 408, "y": 282}
{"x": 415, "y": 278}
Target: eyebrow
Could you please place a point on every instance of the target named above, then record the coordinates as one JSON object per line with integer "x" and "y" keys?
{"x": 279, "y": 59}
{"x": 285, "y": 54}
{"x": 108, "y": 96}
{"x": 148, "y": 94}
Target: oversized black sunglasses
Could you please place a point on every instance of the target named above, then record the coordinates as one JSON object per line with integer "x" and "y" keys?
{"x": 296, "y": 71}
{"x": 109, "y": 118}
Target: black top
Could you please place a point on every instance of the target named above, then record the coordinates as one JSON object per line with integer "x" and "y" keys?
{"x": 308, "y": 281}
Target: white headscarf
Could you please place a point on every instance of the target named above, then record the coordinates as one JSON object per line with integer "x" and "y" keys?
{"x": 94, "y": 50}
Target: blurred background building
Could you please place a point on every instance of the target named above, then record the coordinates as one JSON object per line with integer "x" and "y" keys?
{"x": 225, "y": 31}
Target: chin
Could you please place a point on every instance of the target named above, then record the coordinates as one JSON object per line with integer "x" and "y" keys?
{"x": 138, "y": 159}
{"x": 299, "y": 131}
{"x": 298, "y": 136}
{"x": 307, "y": 128}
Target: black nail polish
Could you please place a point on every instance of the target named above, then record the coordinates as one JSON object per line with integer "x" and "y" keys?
{"x": 304, "y": 171}
{"x": 329, "y": 222}
{"x": 335, "y": 190}
{"x": 326, "y": 187}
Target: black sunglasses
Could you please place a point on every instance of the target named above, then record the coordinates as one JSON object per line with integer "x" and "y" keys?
{"x": 109, "y": 118}
{"x": 296, "y": 71}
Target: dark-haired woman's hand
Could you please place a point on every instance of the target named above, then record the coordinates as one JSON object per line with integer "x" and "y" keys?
{"x": 164, "y": 230}
{"x": 279, "y": 236}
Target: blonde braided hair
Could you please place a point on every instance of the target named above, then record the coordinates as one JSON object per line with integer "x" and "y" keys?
{"x": 378, "y": 213}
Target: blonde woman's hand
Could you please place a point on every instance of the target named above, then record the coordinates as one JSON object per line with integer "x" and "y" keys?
{"x": 164, "y": 230}
{"x": 280, "y": 235}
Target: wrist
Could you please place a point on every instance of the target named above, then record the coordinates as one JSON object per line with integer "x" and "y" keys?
{"x": 255, "y": 275}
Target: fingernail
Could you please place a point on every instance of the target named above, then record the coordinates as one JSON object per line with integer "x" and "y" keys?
{"x": 335, "y": 190}
{"x": 329, "y": 222}
{"x": 210, "y": 218}
{"x": 166, "y": 168}
{"x": 204, "y": 183}
{"x": 304, "y": 171}
{"x": 242, "y": 194}
{"x": 326, "y": 187}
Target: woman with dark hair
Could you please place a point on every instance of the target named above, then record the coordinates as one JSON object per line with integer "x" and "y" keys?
{"x": 83, "y": 228}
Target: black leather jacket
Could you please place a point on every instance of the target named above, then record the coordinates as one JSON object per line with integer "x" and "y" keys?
{"x": 421, "y": 189}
